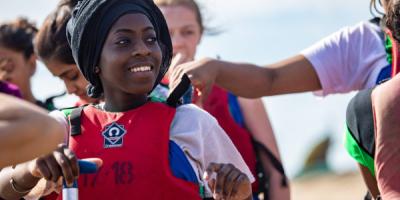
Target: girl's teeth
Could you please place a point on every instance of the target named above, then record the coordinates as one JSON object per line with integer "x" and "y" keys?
{"x": 140, "y": 69}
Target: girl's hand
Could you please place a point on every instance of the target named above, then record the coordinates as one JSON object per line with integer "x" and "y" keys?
{"x": 230, "y": 183}
{"x": 178, "y": 59}
{"x": 61, "y": 163}
{"x": 202, "y": 74}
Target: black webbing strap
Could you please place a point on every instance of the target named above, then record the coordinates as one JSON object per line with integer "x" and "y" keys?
{"x": 75, "y": 121}
{"x": 174, "y": 99}
{"x": 368, "y": 196}
{"x": 274, "y": 161}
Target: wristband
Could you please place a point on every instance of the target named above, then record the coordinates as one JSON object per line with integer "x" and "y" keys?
{"x": 15, "y": 187}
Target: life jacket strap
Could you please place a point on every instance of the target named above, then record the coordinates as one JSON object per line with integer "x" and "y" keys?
{"x": 274, "y": 161}
{"x": 174, "y": 99}
{"x": 75, "y": 121}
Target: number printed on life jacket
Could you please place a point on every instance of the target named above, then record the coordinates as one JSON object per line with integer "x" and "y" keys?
{"x": 122, "y": 172}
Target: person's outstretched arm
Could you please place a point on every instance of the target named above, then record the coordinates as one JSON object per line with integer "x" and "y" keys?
{"x": 292, "y": 75}
{"x": 26, "y": 131}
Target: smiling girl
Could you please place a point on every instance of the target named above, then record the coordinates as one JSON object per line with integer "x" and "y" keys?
{"x": 149, "y": 150}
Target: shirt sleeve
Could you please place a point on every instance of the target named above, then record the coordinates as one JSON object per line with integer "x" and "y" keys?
{"x": 204, "y": 141}
{"x": 349, "y": 59}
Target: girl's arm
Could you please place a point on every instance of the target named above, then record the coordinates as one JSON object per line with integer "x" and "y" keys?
{"x": 17, "y": 182}
{"x": 258, "y": 124}
{"x": 369, "y": 180}
{"x": 26, "y": 131}
{"x": 292, "y": 75}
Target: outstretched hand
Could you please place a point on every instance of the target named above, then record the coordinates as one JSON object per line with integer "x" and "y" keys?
{"x": 202, "y": 74}
{"x": 229, "y": 184}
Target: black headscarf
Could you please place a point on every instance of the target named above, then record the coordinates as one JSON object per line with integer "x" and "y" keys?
{"x": 88, "y": 28}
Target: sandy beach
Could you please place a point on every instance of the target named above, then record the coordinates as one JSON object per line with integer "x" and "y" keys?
{"x": 348, "y": 186}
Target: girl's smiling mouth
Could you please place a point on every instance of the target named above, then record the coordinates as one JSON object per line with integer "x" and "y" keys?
{"x": 140, "y": 68}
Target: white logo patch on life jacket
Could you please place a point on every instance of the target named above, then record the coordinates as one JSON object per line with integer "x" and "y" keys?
{"x": 113, "y": 135}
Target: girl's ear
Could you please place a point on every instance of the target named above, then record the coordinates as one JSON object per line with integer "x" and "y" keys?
{"x": 97, "y": 70}
{"x": 32, "y": 64}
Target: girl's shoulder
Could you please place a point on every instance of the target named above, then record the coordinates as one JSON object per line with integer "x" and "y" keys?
{"x": 191, "y": 112}
{"x": 192, "y": 121}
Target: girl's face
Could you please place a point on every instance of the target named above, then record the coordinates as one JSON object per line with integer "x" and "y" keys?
{"x": 184, "y": 29}
{"x": 15, "y": 68}
{"x": 131, "y": 57}
{"x": 73, "y": 79}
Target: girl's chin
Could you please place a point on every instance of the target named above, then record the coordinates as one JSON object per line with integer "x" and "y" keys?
{"x": 87, "y": 99}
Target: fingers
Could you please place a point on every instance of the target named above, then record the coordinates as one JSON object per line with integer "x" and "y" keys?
{"x": 67, "y": 162}
{"x": 237, "y": 186}
{"x": 73, "y": 161}
{"x": 53, "y": 168}
{"x": 40, "y": 170}
{"x": 176, "y": 60}
{"x": 176, "y": 76}
{"x": 60, "y": 163}
{"x": 212, "y": 167}
{"x": 230, "y": 182}
{"x": 220, "y": 189}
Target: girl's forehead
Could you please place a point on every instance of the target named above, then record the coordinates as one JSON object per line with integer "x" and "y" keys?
{"x": 132, "y": 21}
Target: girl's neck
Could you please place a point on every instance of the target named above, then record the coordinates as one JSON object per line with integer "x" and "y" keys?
{"x": 27, "y": 95}
{"x": 124, "y": 103}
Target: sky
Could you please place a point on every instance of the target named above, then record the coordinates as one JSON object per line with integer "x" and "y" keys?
{"x": 260, "y": 32}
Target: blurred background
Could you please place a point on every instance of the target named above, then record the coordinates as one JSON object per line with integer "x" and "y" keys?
{"x": 262, "y": 32}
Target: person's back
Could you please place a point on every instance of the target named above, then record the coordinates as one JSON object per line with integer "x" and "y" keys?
{"x": 386, "y": 108}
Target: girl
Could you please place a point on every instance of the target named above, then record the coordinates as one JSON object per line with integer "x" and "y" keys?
{"x": 52, "y": 48}
{"x": 360, "y": 134}
{"x": 18, "y": 61}
{"x": 385, "y": 108}
{"x": 123, "y": 49}
{"x": 186, "y": 27}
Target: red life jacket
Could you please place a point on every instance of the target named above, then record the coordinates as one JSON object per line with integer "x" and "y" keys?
{"x": 134, "y": 148}
{"x": 217, "y": 105}
{"x": 395, "y": 53}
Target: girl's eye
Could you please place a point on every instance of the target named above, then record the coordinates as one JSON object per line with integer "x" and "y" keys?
{"x": 187, "y": 33}
{"x": 123, "y": 42}
{"x": 72, "y": 76}
{"x": 151, "y": 40}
